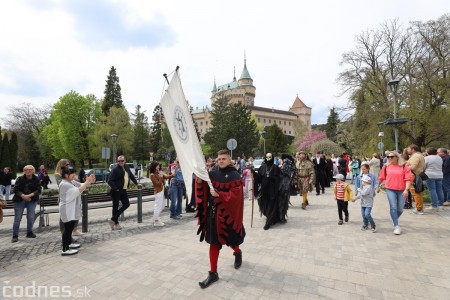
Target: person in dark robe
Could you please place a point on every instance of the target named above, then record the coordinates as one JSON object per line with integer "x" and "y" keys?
{"x": 287, "y": 175}
{"x": 268, "y": 179}
{"x": 220, "y": 213}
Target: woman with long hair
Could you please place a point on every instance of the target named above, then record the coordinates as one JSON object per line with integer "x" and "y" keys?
{"x": 397, "y": 178}
{"x": 157, "y": 178}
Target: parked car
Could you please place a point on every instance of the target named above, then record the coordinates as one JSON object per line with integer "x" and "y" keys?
{"x": 100, "y": 174}
{"x": 257, "y": 163}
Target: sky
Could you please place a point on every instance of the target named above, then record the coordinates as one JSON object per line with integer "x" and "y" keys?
{"x": 50, "y": 47}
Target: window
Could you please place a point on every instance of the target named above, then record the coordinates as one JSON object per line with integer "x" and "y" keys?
{"x": 264, "y": 120}
{"x": 289, "y": 132}
{"x": 289, "y": 123}
{"x": 284, "y": 122}
{"x": 259, "y": 120}
{"x": 285, "y": 131}
{"x": 279, "y": 122}
{"x": 270, "y": 121}
{"x": 206, "y": 122}
{"x": 201, "y": 123}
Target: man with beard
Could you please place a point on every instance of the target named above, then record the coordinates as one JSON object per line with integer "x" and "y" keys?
{"x": 220, "y": 213}
{"x": 268, "y": 179}
{"x": 305, "y": 176}
{"x": 288, "y": 173}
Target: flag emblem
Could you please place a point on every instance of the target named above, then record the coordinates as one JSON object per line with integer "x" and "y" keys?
{"x": 180, "y": 125}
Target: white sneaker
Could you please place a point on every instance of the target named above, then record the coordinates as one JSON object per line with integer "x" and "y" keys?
{"x": 417, "y": 212}
{"x": 69, "y": 252}
{"x": 158, "y": 223}
{"x": 112, "y": 224}
{"x": 397, "y": 230}
{"x": 432, "y": 209}
{"x": 74, "y": 246}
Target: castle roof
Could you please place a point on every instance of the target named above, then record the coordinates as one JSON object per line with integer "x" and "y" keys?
{"x": 245, "y": 74}
{"x": 298, "y": 103}
{"x": 266, "y": 109}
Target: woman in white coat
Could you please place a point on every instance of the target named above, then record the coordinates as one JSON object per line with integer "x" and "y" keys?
{"x": 70, "y": 206}
{"x": 375, "y": 165}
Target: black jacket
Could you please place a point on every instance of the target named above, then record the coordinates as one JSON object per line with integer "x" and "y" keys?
{"x": 25, "y": 186}
{"x": 5, "y": 178}
{"x": 117, "y": 178}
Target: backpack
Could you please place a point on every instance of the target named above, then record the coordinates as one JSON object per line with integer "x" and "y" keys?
{"x": 419, "y": 187}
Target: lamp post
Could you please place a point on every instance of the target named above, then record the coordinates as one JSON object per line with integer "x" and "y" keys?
{"x": 381, "y": 134}
{"x": 263, "y": 135}
{"x": 393, "y": 86}
{"x": 114, "y": 140}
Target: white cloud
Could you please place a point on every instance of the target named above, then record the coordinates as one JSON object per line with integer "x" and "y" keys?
{"x": 292, "y": 47}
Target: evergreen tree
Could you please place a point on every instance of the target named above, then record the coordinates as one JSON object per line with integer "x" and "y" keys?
{"x": 5, "y": 158}
{"x": 276, "y": 141}
{"x": 14, "y": 148}
{"x": 113, "y": 95}
{"x": 141, "y": 135}
{"x": 332, "y": 125}
{"x": 155, "y": 129}
{"x": 218, "y": 135}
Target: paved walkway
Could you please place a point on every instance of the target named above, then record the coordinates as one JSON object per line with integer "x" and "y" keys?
{"x": 310, "y": 257}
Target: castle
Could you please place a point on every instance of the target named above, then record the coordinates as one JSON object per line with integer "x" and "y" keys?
{"x": 243, "y": 91}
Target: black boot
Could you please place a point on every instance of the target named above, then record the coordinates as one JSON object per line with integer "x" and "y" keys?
{"x": 267, "y": 226}
{"x": 212, "y": 277}
{"x": 237, "y": 259}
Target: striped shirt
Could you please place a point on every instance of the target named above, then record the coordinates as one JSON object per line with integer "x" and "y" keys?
{"x": 340, "y": 191}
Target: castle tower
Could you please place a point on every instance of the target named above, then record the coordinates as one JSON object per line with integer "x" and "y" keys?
{"x": 302, "y": 111}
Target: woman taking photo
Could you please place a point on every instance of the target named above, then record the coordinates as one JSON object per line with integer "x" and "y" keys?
{"x": 70, "y": 206}
{"x": 398, "y": 179}
{"x": 157, "y": 179}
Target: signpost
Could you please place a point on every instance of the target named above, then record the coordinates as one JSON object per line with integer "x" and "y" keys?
{"x": 231, "y": 145}
{"x": 106, "y": 154}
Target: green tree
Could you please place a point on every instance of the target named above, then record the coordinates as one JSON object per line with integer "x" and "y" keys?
{"x": 156, "y": 129}
{"x": 5, "y": 156}
{"x": 117, "y": 122}
{"x": 332, "y": 125}
{"x": 71, "y": 125}
{"x": 141, "y": 135}
{"x": 276, "y": 141}
{"x": 14, "y": 147}
{"x": 326, "y": 146}
{"x": 232, "y": 121}
{"x": 113, "y": 94}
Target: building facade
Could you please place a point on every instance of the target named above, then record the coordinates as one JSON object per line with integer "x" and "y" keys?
{"x": 243, "y": 91}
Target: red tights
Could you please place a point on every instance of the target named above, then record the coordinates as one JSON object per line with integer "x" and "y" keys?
{"x": 214, "y": 255}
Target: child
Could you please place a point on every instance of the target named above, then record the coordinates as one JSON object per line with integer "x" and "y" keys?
{"x": 45, "y": 180}
{"x": 342, "y": 193}
{"x": 366, "y": 194}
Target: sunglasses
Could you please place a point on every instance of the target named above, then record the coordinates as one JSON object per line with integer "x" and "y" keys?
{"x": 391, "y": 157}
{"x": 120, "y": 161}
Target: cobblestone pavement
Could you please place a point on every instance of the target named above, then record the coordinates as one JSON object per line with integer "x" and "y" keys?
{"x": 310, "y": 257}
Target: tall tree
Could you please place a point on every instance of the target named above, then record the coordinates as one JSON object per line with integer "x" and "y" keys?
{"x": 232, "y": 121}
{"x": 28, "y": 122}
{"x": 117, "y": 122}
{"x": 113, "y": 94}
{"x": 14, "y": 147}
{"x": 332, "y": 124}
{"x": 141, "y": 135}
{"x": 155, "y": 129}
{"x": 5, "y": 156}
{"x": 276, "y": 141}
{"x": 71, "y": 125}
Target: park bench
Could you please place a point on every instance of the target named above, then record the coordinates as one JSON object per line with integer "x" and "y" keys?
{"x": 49, "y": 205}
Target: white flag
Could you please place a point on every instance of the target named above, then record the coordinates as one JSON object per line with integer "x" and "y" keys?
{"x": 181, "y": 127}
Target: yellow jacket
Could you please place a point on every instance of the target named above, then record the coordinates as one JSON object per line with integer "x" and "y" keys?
{"x": 348, "y": 193}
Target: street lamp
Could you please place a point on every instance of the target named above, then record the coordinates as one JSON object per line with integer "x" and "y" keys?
{"x": 380, "y": 134}
{"x": 393, "y": 86}
{"x": 263, "y": 135}
{"x": 114, "y": 140}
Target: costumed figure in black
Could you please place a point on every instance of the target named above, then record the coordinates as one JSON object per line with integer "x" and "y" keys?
{"x": 268, "y": 180}
{"x": 287, "y": 178}
{"x": 220, "y": 213}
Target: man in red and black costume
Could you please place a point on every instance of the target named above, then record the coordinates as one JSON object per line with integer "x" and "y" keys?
{"x": 220, "y": 213}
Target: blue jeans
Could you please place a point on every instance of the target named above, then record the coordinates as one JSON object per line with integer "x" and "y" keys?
{"x": 365, "y": 212}
{"x": 436, "y": 191}
{"x": 176, "y": 199}
{"x": 446, "y": 187}
{"x": 6, "y": 188}
{"x": 396, "y": 204}
{"x": 18, "y": 212}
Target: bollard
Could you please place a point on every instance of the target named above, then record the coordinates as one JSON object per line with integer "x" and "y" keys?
{"x": 84, "y": 219}
{"x": 139, "y": 204}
